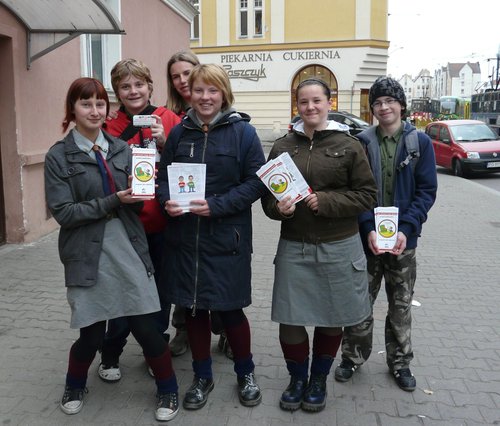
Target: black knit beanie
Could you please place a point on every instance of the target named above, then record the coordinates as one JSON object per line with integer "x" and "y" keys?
{"x": 387, "y": 86}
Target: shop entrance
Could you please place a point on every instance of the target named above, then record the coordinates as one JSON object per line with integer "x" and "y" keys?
{"x": 314, "y": 71}
{"x": 2, "y": 204}
{"x": 6, "y": 126}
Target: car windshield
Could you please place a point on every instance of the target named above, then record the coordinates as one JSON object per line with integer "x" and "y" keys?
{"x": 472, "y": 133}
{"x": 361, "y": 123}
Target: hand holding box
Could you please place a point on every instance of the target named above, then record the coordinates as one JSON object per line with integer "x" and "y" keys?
{"x": 143, "y": 173}
{"x": 386, "y": 226}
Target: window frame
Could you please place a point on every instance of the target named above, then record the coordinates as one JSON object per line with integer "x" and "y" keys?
{"x": 195, "y": 24}
{"x": 111, "y": 50}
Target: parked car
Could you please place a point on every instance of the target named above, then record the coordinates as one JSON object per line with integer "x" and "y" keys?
{"x": 465, "y": 146}
{"x": 356, "y": 124}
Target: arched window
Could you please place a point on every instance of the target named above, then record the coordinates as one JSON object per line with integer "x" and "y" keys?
{"x": 316, "y": 71}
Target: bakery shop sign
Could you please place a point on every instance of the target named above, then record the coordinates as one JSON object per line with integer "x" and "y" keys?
{"x": 256, "y": 73}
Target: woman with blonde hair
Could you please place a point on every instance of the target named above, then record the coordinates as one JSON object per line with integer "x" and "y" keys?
{"x": 208, "y": 251}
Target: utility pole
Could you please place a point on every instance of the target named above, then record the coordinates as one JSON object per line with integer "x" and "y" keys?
{"x": 495, "y": 72}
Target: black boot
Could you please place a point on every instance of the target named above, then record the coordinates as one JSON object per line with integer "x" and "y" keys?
{"x": 248, "y": 390}
{"x": 291, "y": 398}
{"x": 197, "y": 395}
{"x": 315, "y": 395}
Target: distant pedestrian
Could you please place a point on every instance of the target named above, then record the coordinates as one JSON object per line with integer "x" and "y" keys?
{"x": 320, "y": 276}
{"x": 406, "y": 178}
{"x": 102, "y": 244}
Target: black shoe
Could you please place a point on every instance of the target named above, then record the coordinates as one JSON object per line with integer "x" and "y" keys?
{"x": 292, "y": 397}
{"x": 315, "y": 395}
{"x": 179, "y": 344}
{"x": 405, "y": 379}
{"x": 197, "y": 395}
{"x": 224, "y": 347}
{"x": 167, "y": 406}
{"x": 345, "y": 370}
{"x": 72, "y": 400}
{"x": 248, "y": 390}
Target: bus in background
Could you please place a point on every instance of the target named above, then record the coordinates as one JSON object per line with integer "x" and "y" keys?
{"x": 486, "y": 107}
{"x": 454, "y": 108}
{"x": 423, "y": 111}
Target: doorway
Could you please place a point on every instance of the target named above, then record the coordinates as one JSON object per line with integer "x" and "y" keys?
{"x": 314, "y": 71}
{"x": 3, "y": 236}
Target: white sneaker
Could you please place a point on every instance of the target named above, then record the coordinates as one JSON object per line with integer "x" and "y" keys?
{"x": 167, "y": 406}
{"x": 110, "y": 373}
{"x": 72, "y": 400}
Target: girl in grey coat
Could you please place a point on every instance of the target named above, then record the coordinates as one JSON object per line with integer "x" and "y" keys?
{"x": 108, "y": 271}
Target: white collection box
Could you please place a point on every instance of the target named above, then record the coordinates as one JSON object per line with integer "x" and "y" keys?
{"x": 143, "y": 173}
{"x": 386, "y": 226}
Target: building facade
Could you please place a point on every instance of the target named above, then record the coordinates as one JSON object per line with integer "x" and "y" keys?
{"x": 44, "y": 46}
{"x": 269, "y": 46}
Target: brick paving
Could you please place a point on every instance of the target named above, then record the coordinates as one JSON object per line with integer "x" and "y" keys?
{"x": 456, "y": 335}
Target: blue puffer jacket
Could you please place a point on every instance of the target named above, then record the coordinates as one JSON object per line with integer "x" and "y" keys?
{"x": 414, "y": 191}
{"x": 207, "y": 259}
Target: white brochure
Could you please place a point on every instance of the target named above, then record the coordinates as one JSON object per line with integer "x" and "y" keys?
{"x": 283, "y": 178}
{"x": 386, "y": 225}
{"x": 186, "y": 182}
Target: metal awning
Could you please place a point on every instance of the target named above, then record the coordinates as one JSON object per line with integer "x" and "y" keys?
{"x": 51, "y": 23}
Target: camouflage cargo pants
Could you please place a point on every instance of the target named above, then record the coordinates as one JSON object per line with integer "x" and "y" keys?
{"x": 399, "y": 273}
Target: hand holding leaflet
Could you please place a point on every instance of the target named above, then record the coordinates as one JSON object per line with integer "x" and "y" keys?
{"x": 186, "y": 183}
{"x": 283, "y": 178}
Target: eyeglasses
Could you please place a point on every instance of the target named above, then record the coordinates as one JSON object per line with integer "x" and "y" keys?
{"x": 388, "y": 102}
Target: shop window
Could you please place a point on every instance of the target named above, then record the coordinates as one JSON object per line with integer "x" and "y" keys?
{"x": 365, "y": 112}
{"x": 100, "y": 52}
{"x": 195, "y": 25}
{"x": 243, "y": 18}
{"x": 257, "y": 11}
{"x": 251, "y": 18}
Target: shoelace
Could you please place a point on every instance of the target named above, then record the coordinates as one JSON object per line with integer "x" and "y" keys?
{"x": 317, "y": 384}
{"x": 73, "y": 394}
{"x": 167, "y": 400}
{"x": 249, "y": 380}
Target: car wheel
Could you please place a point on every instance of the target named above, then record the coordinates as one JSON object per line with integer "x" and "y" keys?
{"x": 458, "y": 169}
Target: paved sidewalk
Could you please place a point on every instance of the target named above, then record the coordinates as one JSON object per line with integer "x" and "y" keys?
{"x": 456, "y": 336}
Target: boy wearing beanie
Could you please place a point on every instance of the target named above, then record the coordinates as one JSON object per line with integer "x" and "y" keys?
{"x": 405, "y": 173}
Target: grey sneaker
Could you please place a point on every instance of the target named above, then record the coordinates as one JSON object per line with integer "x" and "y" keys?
{"x": 405, "y": 379}
{"x": 179, "y": 344}
{"x": 345, "y": 370}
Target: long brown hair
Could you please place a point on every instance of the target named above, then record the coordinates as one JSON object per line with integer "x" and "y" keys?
{"x": 175, "y": 101}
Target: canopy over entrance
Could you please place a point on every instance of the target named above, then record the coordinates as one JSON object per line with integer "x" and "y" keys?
{"x": 51, "y": 23}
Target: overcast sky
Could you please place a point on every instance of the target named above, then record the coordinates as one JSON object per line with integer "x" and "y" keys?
{"x": 431, "y": 33}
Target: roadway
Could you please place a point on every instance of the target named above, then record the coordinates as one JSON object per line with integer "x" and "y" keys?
{"x": 491, "y": 180}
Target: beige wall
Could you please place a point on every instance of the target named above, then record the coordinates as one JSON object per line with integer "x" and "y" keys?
{"x": 326, "y": 18}
{"x": 32, "y": 102}
{"x": 142, "y": 19}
